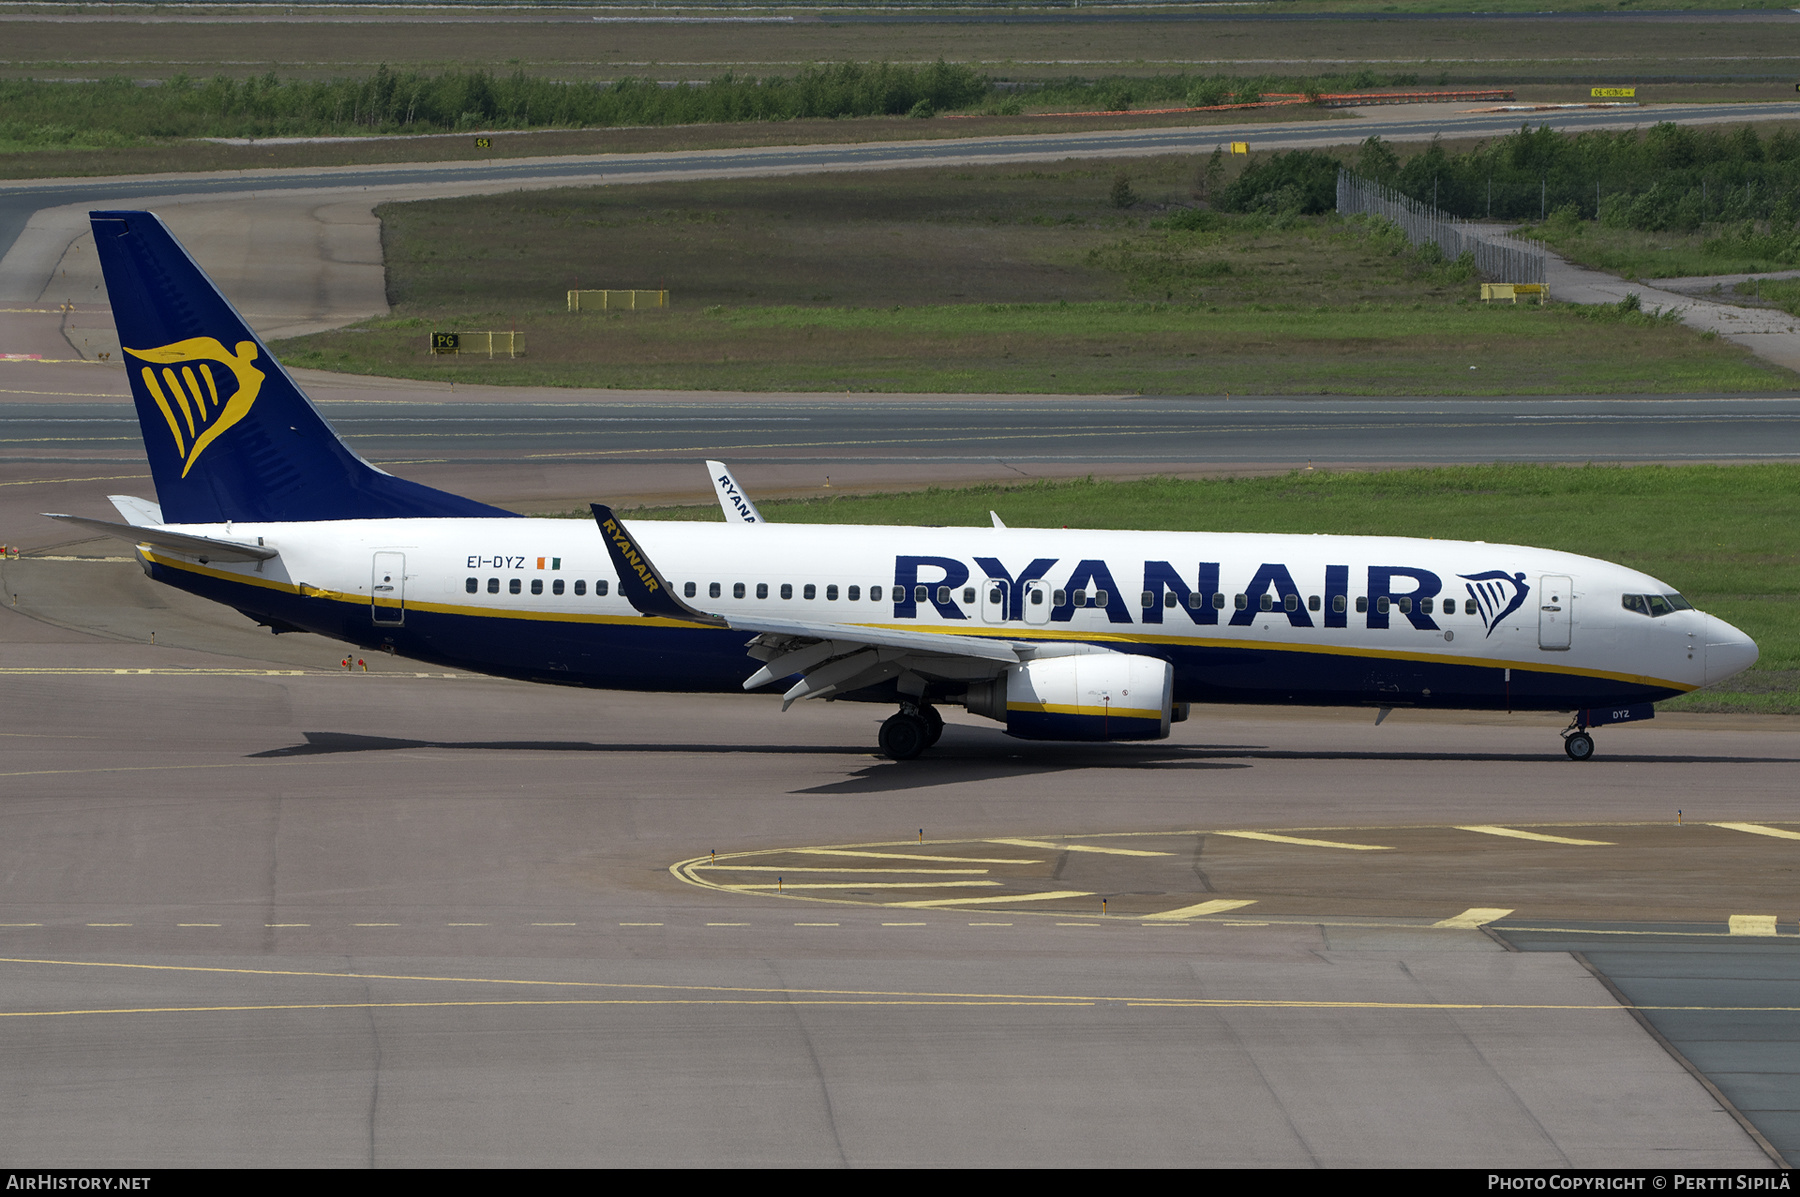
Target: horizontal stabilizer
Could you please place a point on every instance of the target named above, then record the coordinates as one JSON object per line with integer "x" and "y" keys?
{"x": 203, "y": 547}
{"x": 139, "y": 513}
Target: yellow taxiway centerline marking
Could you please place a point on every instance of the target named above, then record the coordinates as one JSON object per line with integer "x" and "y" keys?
{"x": 847, "y": 869}
{"x": 534, "y": 924}
{"x": 1540, "y": 837}
{"x": 101, "y": 478}
{"x": 640, "y": 924}
{"x": 1753, "y": 924}
{"x": 1214, "y": 906}
{"x": 1473, "y": 917}
{"x": 818, "y": 924}
{"x": 1272, "y": 838}
{"x": 376, "y": 924}
{"x": 199, "y": 924}
{"x": 778, "y": 994}
{"x": 903, "y": 856}
{"x": 1045, "y": 844}
{"x": 860, "y": 885}
{"x": 716, "y": 924}
{"x": 287, "y": 924}
{"x": 1779, "y": 833}
{"x": 1044, "y": 897}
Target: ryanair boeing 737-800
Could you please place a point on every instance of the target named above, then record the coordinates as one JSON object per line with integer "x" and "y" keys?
{"x": 1057, "y": 634}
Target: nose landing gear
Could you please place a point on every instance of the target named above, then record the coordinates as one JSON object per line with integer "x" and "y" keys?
{"x": 1578, "y": 744}
{"x": 914, "y": 729}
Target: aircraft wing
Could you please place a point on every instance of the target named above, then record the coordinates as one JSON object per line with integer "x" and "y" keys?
{"x": 831, "y": 658}
{"x": 204, "y": 547}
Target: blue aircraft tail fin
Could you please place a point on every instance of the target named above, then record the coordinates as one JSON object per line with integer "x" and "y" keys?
{"x": 229, "y": 435}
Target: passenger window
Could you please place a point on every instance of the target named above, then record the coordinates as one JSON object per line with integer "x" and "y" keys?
{"x": 874, "y": 594}
{"x": 855, "y": 592}
{"x": 1078, "y": 598}
{"x": 580, "y": 586}
{"x": 1312, "y": 603}
{"x": 968, "y": 594}
{"x": 1241, "y": 601}
{"x": 1037, "y": 597}
{"x": 1194, "y": 600}
{"x": 601, "y": 587}
{"x": 556, "y": 587}
{"x": 1169, "y": 599}
{"x": 1338, "y": 604}
{"x": 1265, "y": 603}
{"x": 689, "y": 590}
{"x": 1381, "y": 605}
{"x": 737, "y": 590}
{"x": 537, "y": 585}
{"x": 1059, "y": 597}
{"x": 1362, "y": 603}
{"x": 712, "y": 590}
{"x": 1406, "y": 605}
{"x": 787, "y": 590}
{"x": 1219, "y": 601}
{"x": 810, "y": 592}
{"x": 1147, "y": 599}
{"x": 943, "y": 594}
{"x": 994, "y": 595}
{"x": 513, "y": 586}
{"x": 1425, "y": 606}
{"x": 762, "y": 590}
{"x": 830, "y": 594}
{"x": 471, "y": 586}
{"x": 922, "y": 593}
{"x": 1101, "y": 598}
{"x": 1291, "y": 602}
{"x": 493, "y": 585}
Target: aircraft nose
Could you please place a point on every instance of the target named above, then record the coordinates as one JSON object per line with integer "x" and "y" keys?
{"x": 1728, "y": 651}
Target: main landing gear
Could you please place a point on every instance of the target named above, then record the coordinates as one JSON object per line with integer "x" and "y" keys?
{"x": 907, "y": 734}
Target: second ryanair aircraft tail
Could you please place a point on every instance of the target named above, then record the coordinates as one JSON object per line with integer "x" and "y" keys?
{"x": 229, "y": 435}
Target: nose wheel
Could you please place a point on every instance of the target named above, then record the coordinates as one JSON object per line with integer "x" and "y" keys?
{"x": 1579, "y": 745}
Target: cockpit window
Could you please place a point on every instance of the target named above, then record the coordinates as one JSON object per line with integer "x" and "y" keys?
{"x": 1655, "y": 605}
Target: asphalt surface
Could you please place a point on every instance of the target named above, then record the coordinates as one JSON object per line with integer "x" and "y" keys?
{"x": 1725, "y": 1003}
{"x": 531, "y": 455}
{"x": 263, "y": 911}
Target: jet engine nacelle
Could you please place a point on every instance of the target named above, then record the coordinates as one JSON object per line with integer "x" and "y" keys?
{"x": 1093, "y": 696}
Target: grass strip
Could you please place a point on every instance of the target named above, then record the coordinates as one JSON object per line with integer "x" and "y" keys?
{"x": 1075, "y": 348}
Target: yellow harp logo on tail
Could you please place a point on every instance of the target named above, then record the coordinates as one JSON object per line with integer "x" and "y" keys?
{"x": 187, "y": 388}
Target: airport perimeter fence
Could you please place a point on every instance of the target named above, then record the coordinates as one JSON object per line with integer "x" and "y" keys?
{"x": 1498, "y": 257}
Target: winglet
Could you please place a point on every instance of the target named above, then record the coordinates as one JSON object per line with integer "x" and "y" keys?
{"x": 736, "y": 504}
{"x": 639, "y": 581}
